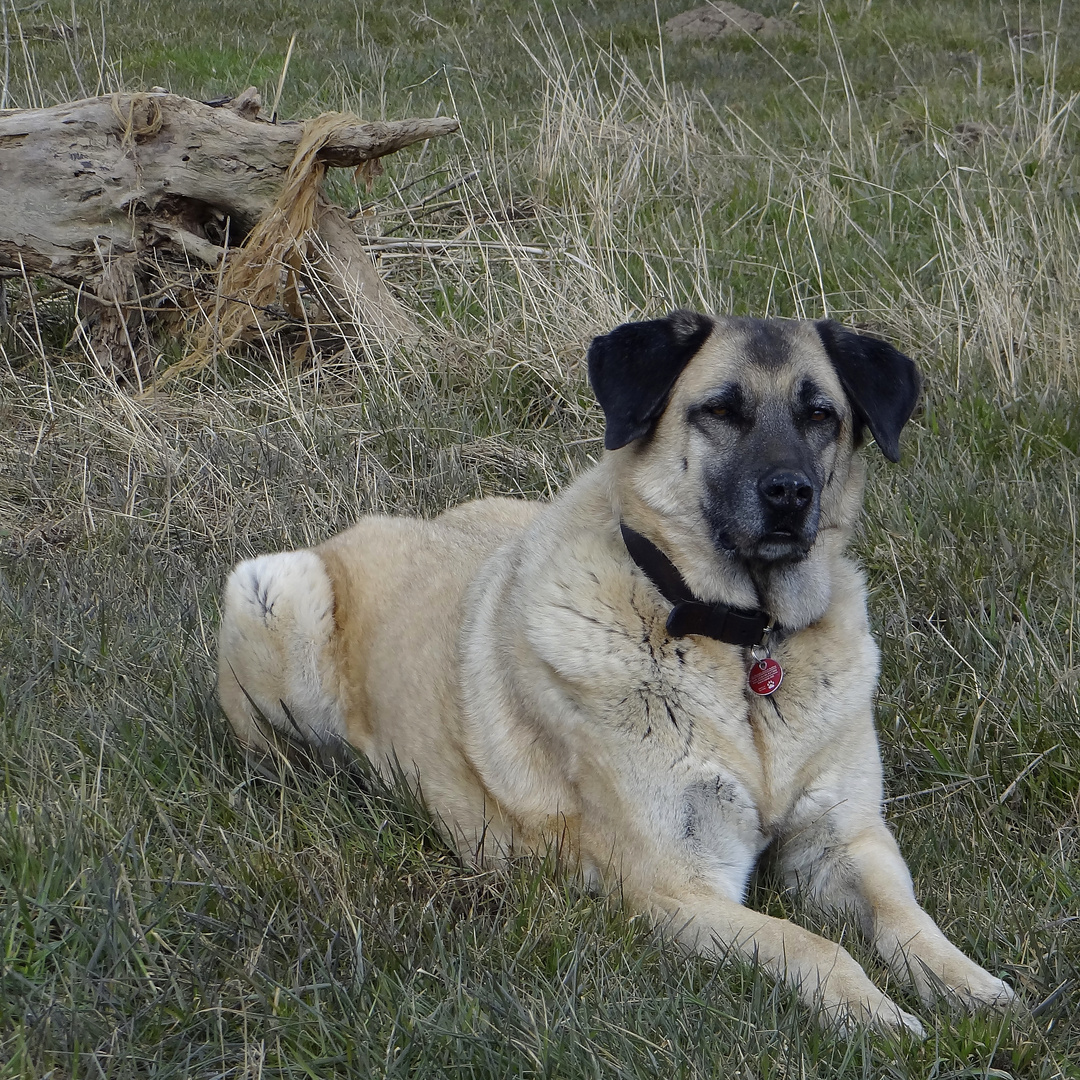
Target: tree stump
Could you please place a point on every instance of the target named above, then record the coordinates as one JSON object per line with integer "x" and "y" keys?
{"x": 136, "y": 196}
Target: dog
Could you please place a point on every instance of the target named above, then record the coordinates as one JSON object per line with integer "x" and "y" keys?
{"x": 662, "y": 673}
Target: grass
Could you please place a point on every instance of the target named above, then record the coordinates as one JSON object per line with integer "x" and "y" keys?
{"x": 909, "y": 168}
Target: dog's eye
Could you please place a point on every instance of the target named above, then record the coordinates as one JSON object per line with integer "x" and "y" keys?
{"x": 820, "y": 413}
{"x": 728, "y": 407}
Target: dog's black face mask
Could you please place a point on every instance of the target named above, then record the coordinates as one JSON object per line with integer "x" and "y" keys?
{"x": 771, "y": 422}
{"x": 769, "y": 459}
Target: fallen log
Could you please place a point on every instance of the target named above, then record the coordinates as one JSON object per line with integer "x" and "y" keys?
{"x": 118, "y": 196}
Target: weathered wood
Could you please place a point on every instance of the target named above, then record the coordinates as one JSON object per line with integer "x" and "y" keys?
{"x": 354, "y": 281}
{"x": 132, "y": 178}
{"x": 79, "y": 181}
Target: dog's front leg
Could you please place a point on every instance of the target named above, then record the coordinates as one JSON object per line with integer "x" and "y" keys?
{"x": 825, "y": 975}
{"x": 861, "y": 869}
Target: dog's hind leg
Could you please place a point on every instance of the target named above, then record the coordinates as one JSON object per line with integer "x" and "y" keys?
{"x": 276, "y": 675}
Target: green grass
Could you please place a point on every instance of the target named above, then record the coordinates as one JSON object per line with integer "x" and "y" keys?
{"x": 165, "y": 912}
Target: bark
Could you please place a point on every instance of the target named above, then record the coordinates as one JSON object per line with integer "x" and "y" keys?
{"x": 99, "y": 192}
{"x": 362, "y": 294}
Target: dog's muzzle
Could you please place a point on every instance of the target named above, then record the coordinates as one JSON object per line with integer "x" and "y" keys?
{"x": 789, "y": 508}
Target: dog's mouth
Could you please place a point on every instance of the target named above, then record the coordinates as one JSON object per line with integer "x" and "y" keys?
{"x": 776, "y": 546}
{"x": 781, "y": 545}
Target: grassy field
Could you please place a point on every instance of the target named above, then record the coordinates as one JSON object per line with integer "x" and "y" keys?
{"x": 910, "y": 168}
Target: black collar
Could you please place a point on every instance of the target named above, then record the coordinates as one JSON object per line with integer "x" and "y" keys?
{"x": 689, "y": 615}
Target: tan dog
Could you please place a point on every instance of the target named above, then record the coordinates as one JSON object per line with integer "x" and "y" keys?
{"x": 577, "y": 673}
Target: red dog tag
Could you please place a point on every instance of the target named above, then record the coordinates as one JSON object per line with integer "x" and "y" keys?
{"x": 765, "y": 676}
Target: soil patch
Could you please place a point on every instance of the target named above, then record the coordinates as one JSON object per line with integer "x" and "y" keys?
{"x": 721, "y": 20}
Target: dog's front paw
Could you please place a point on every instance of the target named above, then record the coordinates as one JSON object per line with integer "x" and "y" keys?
{"x": 882, "y": 1013}
{"x": 891, "y": 1019}
{"x": 964, "y": 985}
{"x": 986, "y": 992}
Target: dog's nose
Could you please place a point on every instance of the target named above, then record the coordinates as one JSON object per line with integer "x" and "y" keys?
{"x": 786, "y": 489}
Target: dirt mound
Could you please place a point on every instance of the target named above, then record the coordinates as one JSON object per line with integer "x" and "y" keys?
{"x": 720, "y": 20}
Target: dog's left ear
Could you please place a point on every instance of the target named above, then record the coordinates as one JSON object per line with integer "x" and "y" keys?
{"x": 881, "y": 383}
{"x": 632, "y": 371}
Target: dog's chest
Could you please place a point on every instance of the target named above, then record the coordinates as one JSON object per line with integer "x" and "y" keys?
{"x": 679, "y": 713}
{"x": 690, "y": 702}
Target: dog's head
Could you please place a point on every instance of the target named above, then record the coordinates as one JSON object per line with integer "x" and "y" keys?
{"x": 743, "y": 430}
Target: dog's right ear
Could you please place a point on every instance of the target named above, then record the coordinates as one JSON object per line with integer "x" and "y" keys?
{"x": 632, "y": 371}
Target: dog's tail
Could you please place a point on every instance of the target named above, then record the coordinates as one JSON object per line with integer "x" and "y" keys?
{"x": 277, "y": 680}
